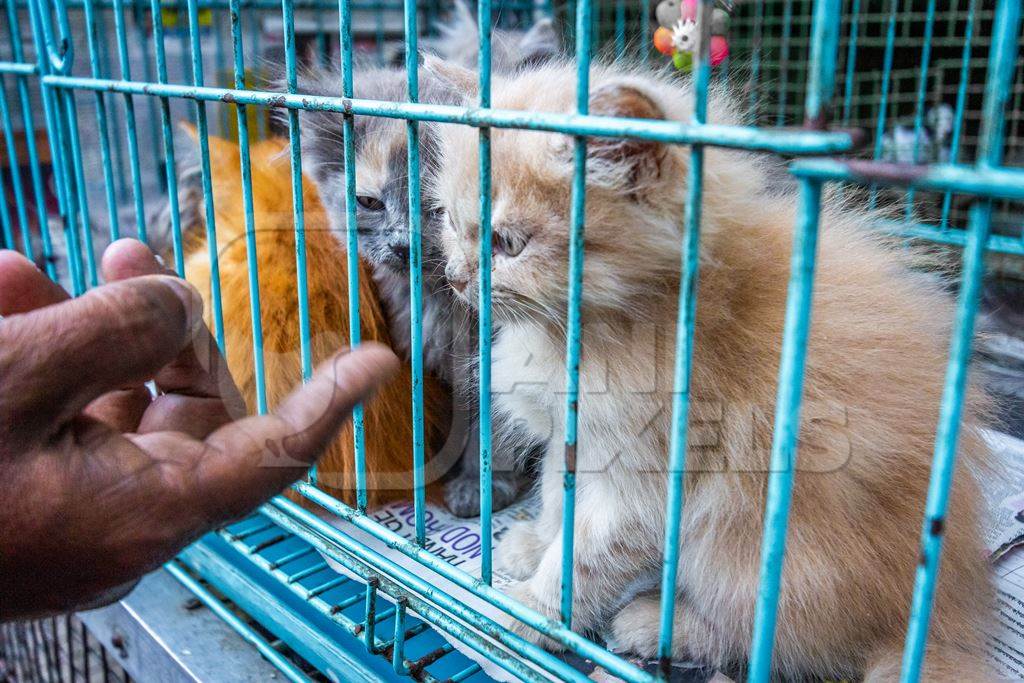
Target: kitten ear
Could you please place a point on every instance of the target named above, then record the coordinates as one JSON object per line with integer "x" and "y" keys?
{"x": 620, "y": 163}
{"x": 540, "y": 44}
{"x": 450, "y": 75}
{"x": 462, "y": 17}
{"x": 320, "y": 132}
{"x": 321, "y": 138}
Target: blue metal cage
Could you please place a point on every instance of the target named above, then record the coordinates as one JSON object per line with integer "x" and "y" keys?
{"x": 64, "y": 115}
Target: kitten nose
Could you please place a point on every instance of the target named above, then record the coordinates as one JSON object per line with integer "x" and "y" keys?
{"x": 458, "y": 284}
{"x": 457, "y": 280}
{"x": 401, "y": 251}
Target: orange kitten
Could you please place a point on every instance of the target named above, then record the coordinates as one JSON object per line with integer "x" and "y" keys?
{"x": 388, "y": 428}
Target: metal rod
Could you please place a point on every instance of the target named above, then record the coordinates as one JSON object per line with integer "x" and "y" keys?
{"x": 574, "y": 336}
{"x": 789, "y": 142}
{"x": 1003, "y": 56}
{"x": 352, "y": 242}
{"x": 415, "y": 274}
{"x": 484, "y": 332}
{"x": 203, "y": 131}
{"x": 684, "y": 352}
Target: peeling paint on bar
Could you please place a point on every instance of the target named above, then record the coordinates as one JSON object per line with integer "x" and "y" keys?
{"x": 994, "y": 182}
{"x": 740, "y": 137}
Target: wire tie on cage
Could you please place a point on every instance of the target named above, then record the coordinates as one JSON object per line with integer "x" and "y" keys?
{"x": 416, "y": 668}
{"x": 885, "y": 171}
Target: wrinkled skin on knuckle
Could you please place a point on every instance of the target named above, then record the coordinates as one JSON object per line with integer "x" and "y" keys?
{"x": 22, "y": 347}
{"x": 139, "y": 308}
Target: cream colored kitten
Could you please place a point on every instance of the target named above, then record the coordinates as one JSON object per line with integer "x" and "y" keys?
{"x": 874, "y": 375}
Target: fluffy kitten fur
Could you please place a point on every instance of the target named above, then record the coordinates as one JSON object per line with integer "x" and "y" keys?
{"x": 382, "y": 216}
{"x": 510, "y": 50}
{"x": 874, "y": 374}
{"x": 388, "y": 429}
{"x": 382, "y": 176}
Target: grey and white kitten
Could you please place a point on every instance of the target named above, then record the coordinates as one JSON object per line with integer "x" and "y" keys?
{"x": 382, "y": 217}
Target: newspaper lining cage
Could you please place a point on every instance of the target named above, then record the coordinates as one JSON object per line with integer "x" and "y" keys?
{"x": 51, "y": 72}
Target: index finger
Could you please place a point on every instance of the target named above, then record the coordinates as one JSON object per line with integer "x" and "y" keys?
{"x": 56, "y": 360}
{"x": 200, "y": 370}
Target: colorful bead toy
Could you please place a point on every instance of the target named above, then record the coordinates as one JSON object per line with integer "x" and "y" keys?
{"x": 676, "y": 35}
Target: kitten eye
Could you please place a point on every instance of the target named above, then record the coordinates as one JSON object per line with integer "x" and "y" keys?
{"x": 508, "y": 245}
{"x": 369, "y": 203}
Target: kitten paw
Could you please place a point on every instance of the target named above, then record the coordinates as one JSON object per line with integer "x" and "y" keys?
{"x": 462, "y": 494}
{"x": 521, "y": 592}
{"x": 505, "y": 490}
{"x": 635, "y": 628}
{"x": 520, "y": 551}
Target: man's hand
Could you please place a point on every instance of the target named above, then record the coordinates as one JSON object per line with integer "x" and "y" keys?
{"x": 101, "y": 482}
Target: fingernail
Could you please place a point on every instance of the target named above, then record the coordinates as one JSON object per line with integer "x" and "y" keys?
{"x": 191, "y": 300}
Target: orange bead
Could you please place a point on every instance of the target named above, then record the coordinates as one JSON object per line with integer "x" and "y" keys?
{"x": 663, "y": 41}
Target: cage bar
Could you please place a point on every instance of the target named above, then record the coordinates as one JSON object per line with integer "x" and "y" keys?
{"x": 922, "y": 91}
{"x": 370, "y": 623}
{"x": 787, "y": 419}
{"x": 851, "y": 60}
{"x": 1006, "y": 30}
{"x": 352, "y": 241}
{"x": 106, "y": 160}
{"x": 574, "y": 333}
{"x": 283, "y": 664}
{"x": 298, "y": 212}
{"x": 47, "y": 59}
{"x": 398, "y": 647}
{"x": 19, "y": 194}
{"x": 5, "y": 219}
{"x": 783, "y": 85}
{"x": 415, "y": 272}
{"x": 551, "y": 629}
{"x": 788, "y": 142}
{"x": 484, "y": 332}
{"x": 340, "y": 546}
{"x": 961, "y": 103}
{"x": 687, "y": 314}
{"x": 250, "y": 219}
{"x": 824, "y": 46}
{"x": 28, "y": 125}
{"x": 203, "y": 133}
{"x": 883, "y": 102}
{"x": 170, "y": 167}
{"x": 130, "y": 128}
